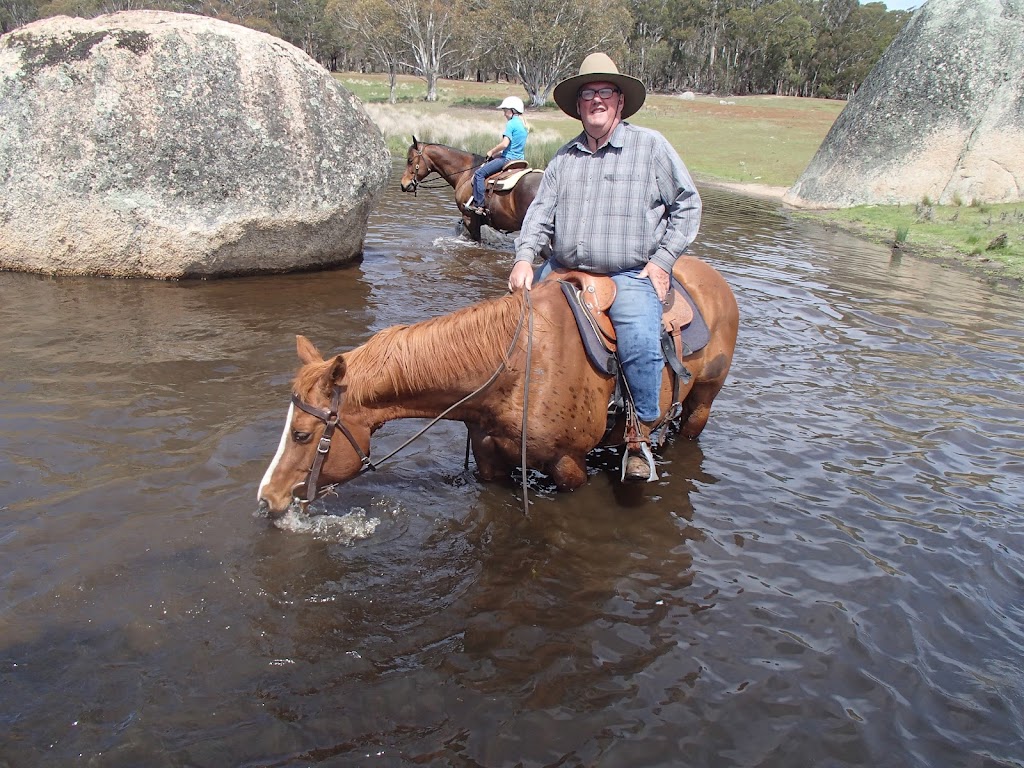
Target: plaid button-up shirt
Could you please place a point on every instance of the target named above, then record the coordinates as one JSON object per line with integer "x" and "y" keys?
{"x": 631, "y": 202}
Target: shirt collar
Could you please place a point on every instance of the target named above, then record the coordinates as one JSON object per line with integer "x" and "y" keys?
{"x": 617, "y": 139}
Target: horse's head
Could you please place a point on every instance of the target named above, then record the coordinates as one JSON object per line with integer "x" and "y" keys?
{"x": 318, "y": 448}
{"x": 417, "y": 166}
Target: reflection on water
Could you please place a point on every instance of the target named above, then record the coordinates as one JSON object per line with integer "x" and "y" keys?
{"x": 832, "y": 575}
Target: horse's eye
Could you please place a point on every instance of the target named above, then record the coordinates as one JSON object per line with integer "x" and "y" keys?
{"x": 302, "y": 437}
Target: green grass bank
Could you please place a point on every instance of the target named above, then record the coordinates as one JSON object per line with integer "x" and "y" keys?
{"x": 756, "y": 144}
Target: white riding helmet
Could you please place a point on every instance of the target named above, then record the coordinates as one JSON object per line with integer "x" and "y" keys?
{"x": 514, "y": 103}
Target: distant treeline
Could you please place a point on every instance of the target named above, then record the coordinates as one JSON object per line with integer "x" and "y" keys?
{"x": 819, "y": 48}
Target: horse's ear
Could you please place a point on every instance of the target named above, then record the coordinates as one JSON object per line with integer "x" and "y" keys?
{"x": 307, "y": 352}
{"x": 331, "y": 376}
{"x": 337, "y": 370}
{"x": 415, "y": 142}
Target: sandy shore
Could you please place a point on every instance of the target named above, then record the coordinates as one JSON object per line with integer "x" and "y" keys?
{"x": 753, "y": 190}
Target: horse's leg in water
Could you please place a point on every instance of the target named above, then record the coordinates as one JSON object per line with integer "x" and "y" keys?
{"x": 489, "y": 461}
{"x": 697, "y": 407}
{"x": 569, "y": 472}
{"x": 471, "y": 224}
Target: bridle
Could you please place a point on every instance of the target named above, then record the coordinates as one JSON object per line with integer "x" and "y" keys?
{"x": 417, "y": 181}
{"x": 331, "y": 422}
{"x": 331, "y": 419}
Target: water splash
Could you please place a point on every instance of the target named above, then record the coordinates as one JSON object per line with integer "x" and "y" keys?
{"x": 342, "y": 529}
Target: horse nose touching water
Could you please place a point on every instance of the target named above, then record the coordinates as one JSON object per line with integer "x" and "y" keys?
{"x": 481, "y": 365}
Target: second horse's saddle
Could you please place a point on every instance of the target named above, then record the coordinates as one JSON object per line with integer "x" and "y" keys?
{"x": 509, "y": 176}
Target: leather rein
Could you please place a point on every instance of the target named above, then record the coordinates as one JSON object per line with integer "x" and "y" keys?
{"x": 332, "y": 420}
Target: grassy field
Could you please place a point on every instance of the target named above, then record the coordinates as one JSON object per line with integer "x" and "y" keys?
{"x": 763, "y": 139}
{"x": 753, "y": 140}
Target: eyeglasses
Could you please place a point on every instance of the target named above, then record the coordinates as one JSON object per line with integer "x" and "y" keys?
{"x": 588, "y": 94}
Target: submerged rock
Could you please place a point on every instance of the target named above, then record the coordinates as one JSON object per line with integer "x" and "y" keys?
{"x": 168, "y": 145}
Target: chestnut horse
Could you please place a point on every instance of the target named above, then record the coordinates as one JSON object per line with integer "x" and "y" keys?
{"x": 505, "y": 210}
{"x": 471, "y": 366}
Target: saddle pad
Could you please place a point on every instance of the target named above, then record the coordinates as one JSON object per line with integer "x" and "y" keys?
{"x": 695, "y": 336}
{"x": 600, "y": 356}
{"x": 506, "y": 183}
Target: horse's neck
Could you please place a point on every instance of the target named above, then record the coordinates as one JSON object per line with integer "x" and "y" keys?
{"x": 418, "y": 371}
{"x": 452, "y": 164}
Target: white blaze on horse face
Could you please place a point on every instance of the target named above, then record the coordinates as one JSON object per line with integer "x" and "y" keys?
{"x": 280, "y": 452}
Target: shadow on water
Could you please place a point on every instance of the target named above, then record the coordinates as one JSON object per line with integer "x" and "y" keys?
{"x": 831, "y": 575}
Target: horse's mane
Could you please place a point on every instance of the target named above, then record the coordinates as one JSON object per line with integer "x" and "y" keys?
{"x": 477, "y": 159}
{"x": 446, "y": 352}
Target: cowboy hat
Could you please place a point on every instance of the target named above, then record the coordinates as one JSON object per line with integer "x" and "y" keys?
{"x": 598, "y": 67}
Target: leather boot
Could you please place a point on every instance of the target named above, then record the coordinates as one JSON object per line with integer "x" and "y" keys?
{"x": 637, "y": 468}
{"x": 638, "y": 464}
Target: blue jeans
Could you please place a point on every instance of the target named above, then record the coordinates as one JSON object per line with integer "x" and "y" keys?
{"x": 485, "y": 170}
{"x": 636, "y": 317}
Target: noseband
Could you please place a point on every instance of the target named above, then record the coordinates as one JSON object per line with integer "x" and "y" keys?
{"x": 331, "y": 422}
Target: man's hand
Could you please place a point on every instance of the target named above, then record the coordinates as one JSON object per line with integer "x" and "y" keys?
{"x": 521, "y": 276}
{"x": 659, "y": 279}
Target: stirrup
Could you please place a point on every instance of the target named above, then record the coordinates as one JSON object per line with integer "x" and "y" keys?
{"x": 637, "y": 434}
{"x": 645, "y": 451}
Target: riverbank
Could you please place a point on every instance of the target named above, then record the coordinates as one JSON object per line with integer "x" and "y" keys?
{"x": 983, "y": 239}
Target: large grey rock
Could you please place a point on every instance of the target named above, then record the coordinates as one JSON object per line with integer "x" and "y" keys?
{"x": 168, "y": 145}
{"x": 941, "y": 115}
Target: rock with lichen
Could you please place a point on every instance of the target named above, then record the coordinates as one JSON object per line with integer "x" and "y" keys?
{"x": 169, "y": 145}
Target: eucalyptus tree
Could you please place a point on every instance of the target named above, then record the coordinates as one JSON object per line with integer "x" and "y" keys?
{"x": 15, "y": 13}
{"x": 649, "y": 53}
{"x": 437, "y": 37}
{"x": 375, "y": 24}
{"x": 543, "y": 41}
{"x": 772, "y": 42}
{"x": 848, "y": 52}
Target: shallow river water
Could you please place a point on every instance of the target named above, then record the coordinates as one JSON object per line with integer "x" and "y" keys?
{"x": 833, "y": 574}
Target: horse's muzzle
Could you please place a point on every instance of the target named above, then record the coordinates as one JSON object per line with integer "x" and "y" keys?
{"x": 264, "y": 509}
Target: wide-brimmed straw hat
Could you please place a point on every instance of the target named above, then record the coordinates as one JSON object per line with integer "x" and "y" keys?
{"x": 598, "y": 67}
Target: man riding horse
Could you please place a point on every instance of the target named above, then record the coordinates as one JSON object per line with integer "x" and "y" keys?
{"x": 616, "y": 200}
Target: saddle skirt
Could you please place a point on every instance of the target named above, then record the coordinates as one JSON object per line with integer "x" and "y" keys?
{"x": 590, "y": 296}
